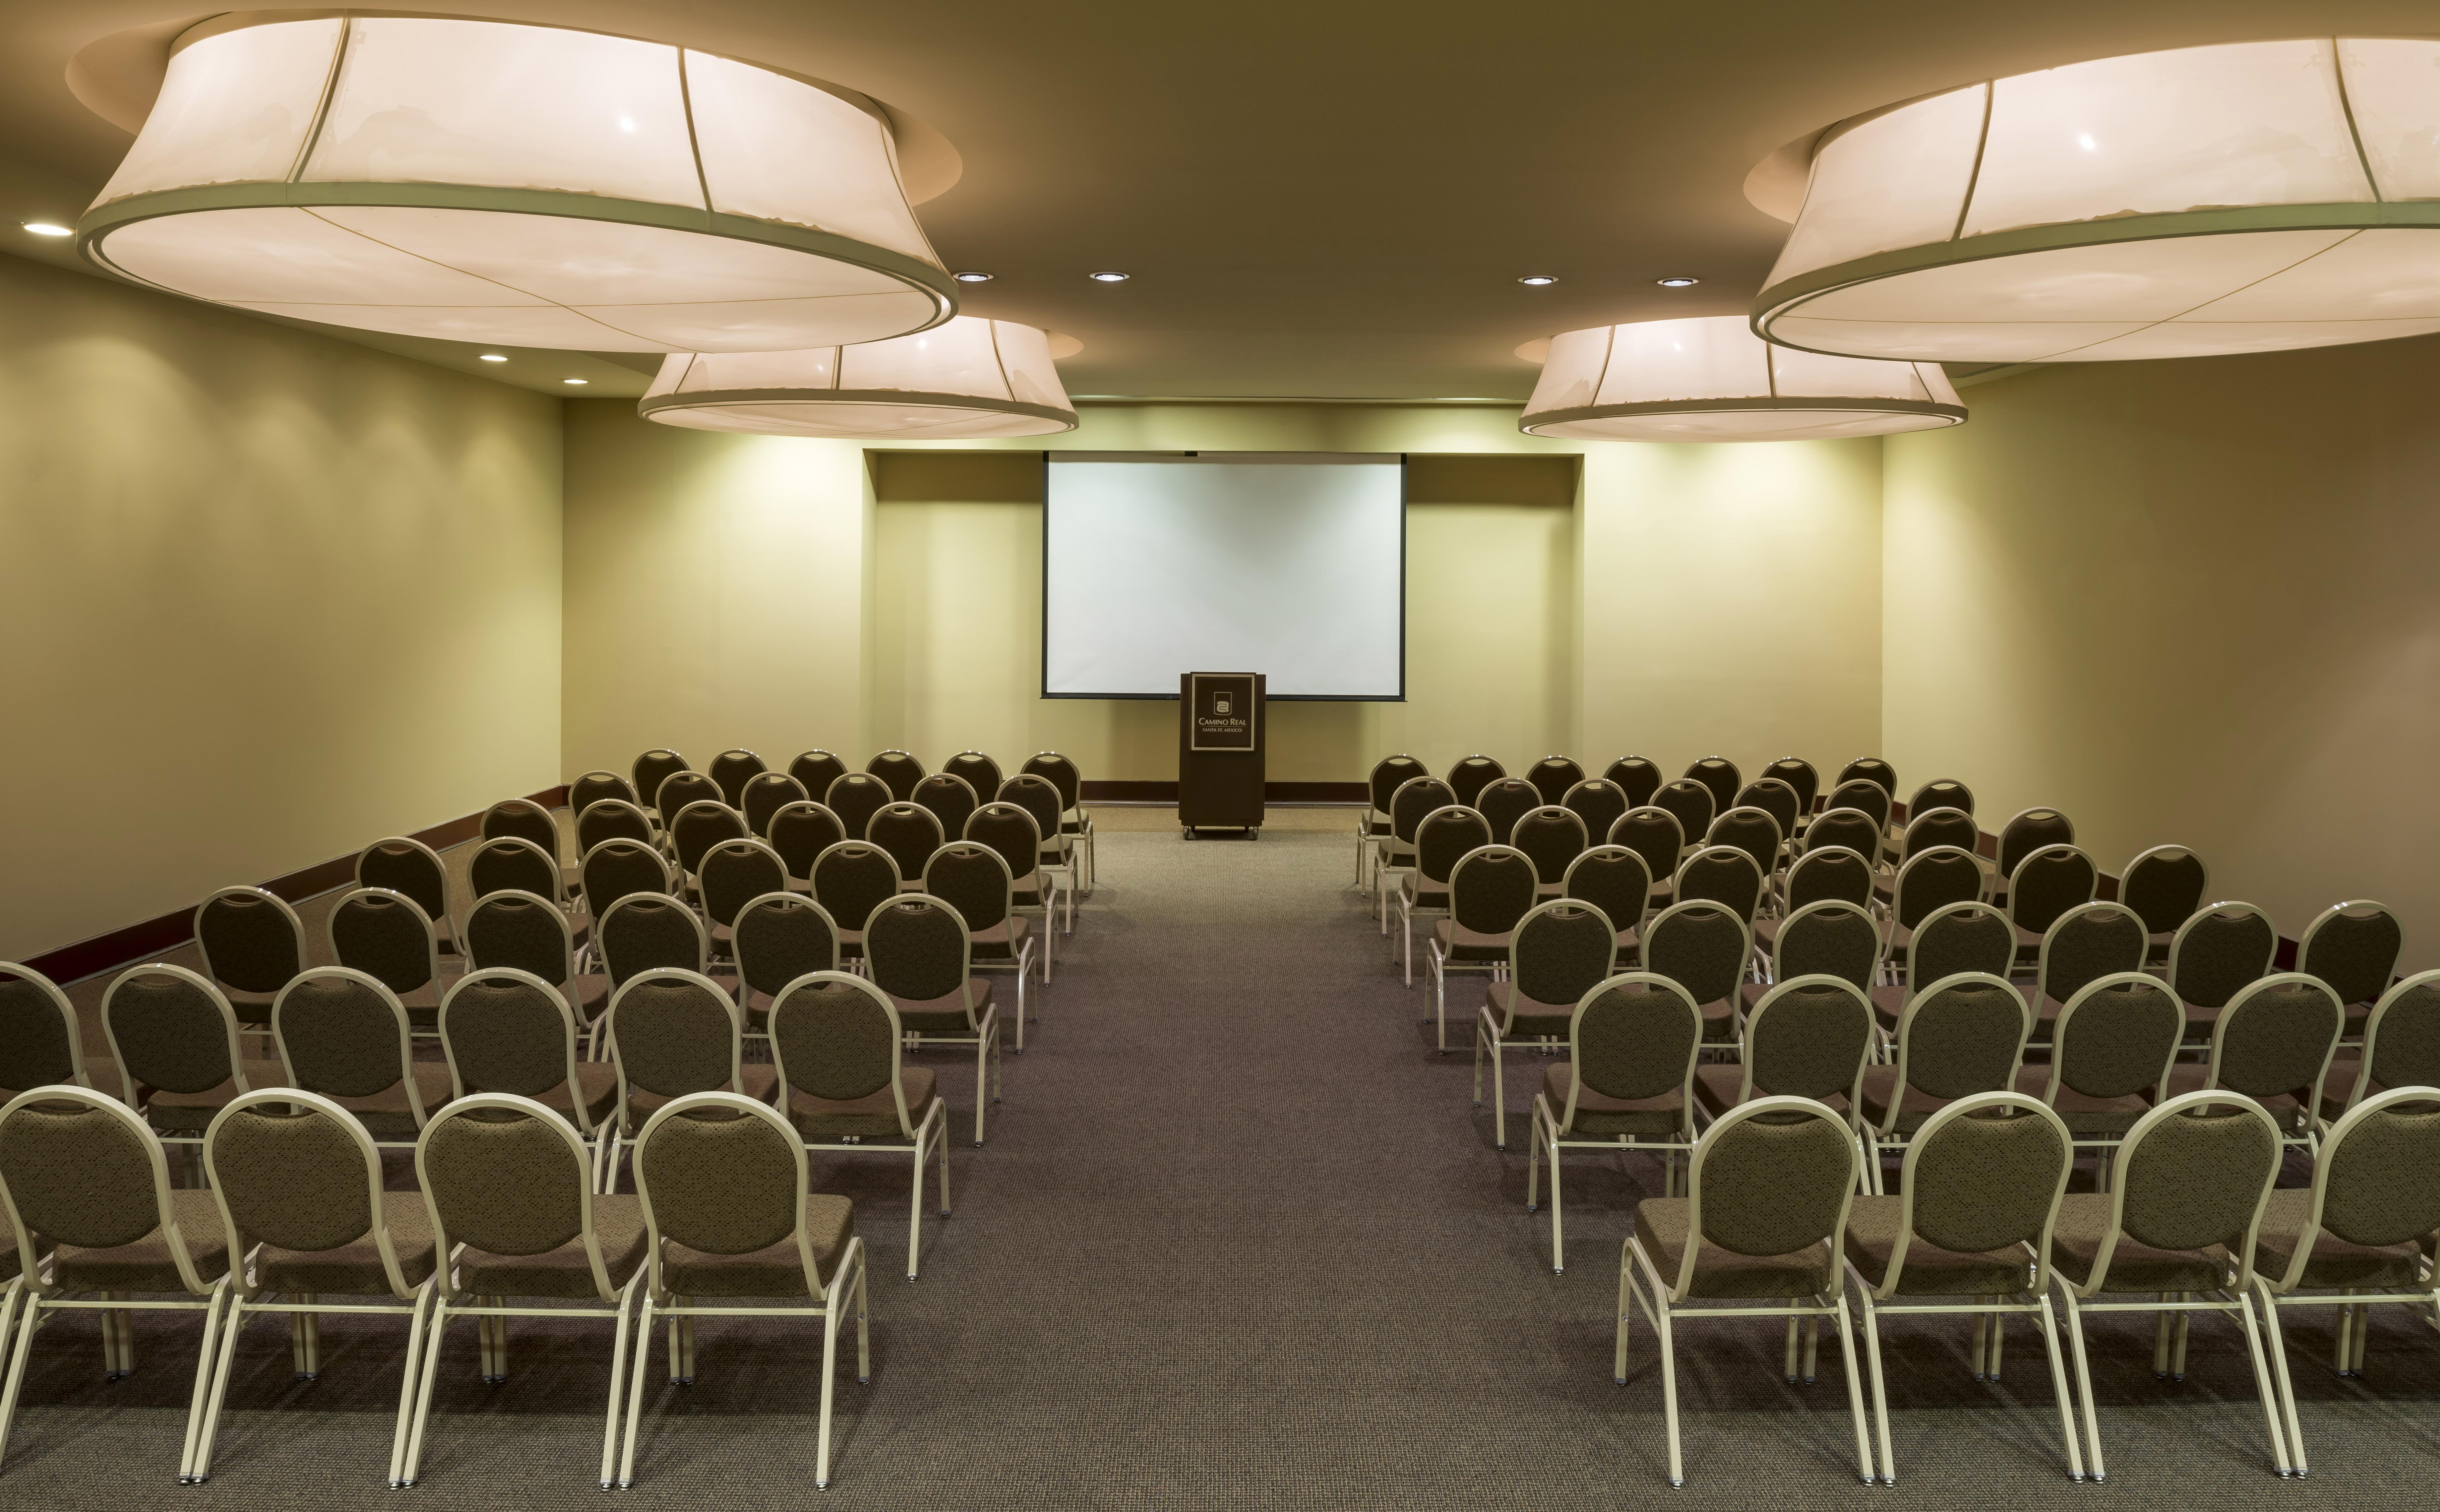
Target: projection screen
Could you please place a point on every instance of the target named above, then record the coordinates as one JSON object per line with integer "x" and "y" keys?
{"x": 1287, "y": 563}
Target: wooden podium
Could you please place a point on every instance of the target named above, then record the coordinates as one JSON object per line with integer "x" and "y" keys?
{"x": 1221, "y": 735}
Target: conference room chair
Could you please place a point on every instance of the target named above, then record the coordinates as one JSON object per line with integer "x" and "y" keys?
{"x": 1415, "y": 798}
{"x": 1825, "y": 874}
{"x": 386, "y": 936}
{"x": 2082, "y": 946}
{"x": 855, "y": 799}
{"x": 1872, "y": 769}
{"x": 800, "y": 832}
{"x": 765, "y": 794}
{"x": 2195, "y": 1173}
{"x": 1559, "y": 951}
{"x": 1969, "y": 1232}
{"x": 755, "y": 1233}
{"x": 948, "y": 797}
{"x": 1010, "y": 830}
{"x": 1958, "y": 1037}
{"x": 1833, "y": 938}
{"x": 171, "y": 1031}
{"x": 2027, "y": 831}
{"x": 1639, "y": 777}
{"x": 681, "y": 789}
{"x": 2352, "y": 1240}
{"x": 526, "y": 820}
{"x": 1753, "y": 830}
{"x": 1702, "y": 947}
{"x": 1691, "y": 804}
{"x": 1722, "y": 874}
{"x": 1554, "y": 838}
{"x": 1504, "y": 800}
{"x": 917, "y": 950}
{"x": 1848, "y": 829}
{"x": 732, "y": 769}
{"x": 86, "y": 1173}
{"x": 838, "y": 1045}
{"x": 1809, "y": 1038}
{"x": 1615, "y": 880}
{"x": 733, "y": 873}
{"x": 253, "y": 944}
{"x": 511, "y": 1190}
{"x": 1627, "y": 1084}
{"x": 1553, "y": 775}
{"x": 2409, "y": 1016}
{"x": 2353, "y": 947}
{"x": 779, "y": 937}
{"x": 2273, "y": 1042}
{"x": 506, "y": 1030}
{"x": 973, "y": 880}
{"x": 1757, "y": 1235}
{"x": 400, "y": 864}
{"x": 1778, "y": 800}
{"x": 593, "y": 786}
{"x": 1802, "y": 779}
{"x": 1721, "y": 776}
{"x": 650, "y": 931}
{"x": 1868, "y": 797}
{"x": 41, "y": 1042}
{"x": 1968, "y": 935}
{"x": 1491, "y": 888}
{"x": 697, "y": 828}
{"x": 1469, "y": 775}
{"x": 298, "y": 1183}
{"x": 1422, "y": 889}
{"x": 898, "y": 770}
{"x": 2166, "y": 886}
{"x": 1075, "y": 819}
{"x": 1655, "y": 835}
{"x": 1038, "y": 797}
{"x": 1933, "y": 879}
{"x": 1598, "y": 803}
{"x": 980, "y": 772}
{"x": 1925, "y": 829}
{"x": 344, "y": 1036}
{"x": 1941, "y": 792}
{"x": 520, "y": 931}
{"x": 817, "y": 769}
{"x": 610, "y": 818}
{"x": 674, "y": 1033}
{"x": 2045, "y": 885}
{"x": 1372, "y": 824}
{"x": 2111, "y": 1048}
{"x": 512, "y": 863}
{"x": 649, "y": 771}
{"x": 2215, "y": 955}
{"x": 910, "y": 833}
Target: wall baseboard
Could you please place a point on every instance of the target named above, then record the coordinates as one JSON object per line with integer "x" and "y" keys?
{"x": 155, "y": 936}
{"x": 1130, "y": 792}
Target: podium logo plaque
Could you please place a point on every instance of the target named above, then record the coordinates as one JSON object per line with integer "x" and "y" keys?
{"x": 1222, "y": 712}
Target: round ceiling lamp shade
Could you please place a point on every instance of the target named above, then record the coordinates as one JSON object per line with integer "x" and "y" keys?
{"x": 1712, "y": 379}
{"x": 2249, "y": 197}
{"x": 482, "y": 181}
{"x": 969, "y": 378}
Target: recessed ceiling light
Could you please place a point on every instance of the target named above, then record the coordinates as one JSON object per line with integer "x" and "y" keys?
{"x": 577, "y": 380}
{"x": 1107, "y": 278}
{"x": 1679, "y": 282}
{"x": 492, "y": 356}
{"x": 1538, "y": 279}
{"x": 971, "y": 277}
{"x": 46, "y": 228}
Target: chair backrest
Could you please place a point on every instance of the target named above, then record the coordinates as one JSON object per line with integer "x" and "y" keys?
{"x": 1554, "y": 837}
{"x": 1503, "y": 801}
{"x": 526, "y": 819}
{"x": 342, "y": 1034}
{"x": 980, "y": 772}
{"x": 40, "y": 1042}
{"x": 2401, "y": 1044}
{"x": 701, "y": 825}
{"x": 1690, "y": 802}
{"x": 898, "y": 770}
{"x": 1634, "y": 1035}
{"x": 1851, "y": 829}
{"x": 835, "y": 1036}
{"x": 918, "y": 948}
{"x": 83, "y": 1168}
{"x": 909, "y": 831}
{"x": 730, "y": 1184}
{"x": 1929, "y": 827}
{"x": 1774, "y": 798}
{"x": 974, "y": 879}
{"x": 765, "y": 794}
{"x": 1491, "y": 888}
{"x": 1752, "y": 831}
{"x": 1720, "y": 775}
{"x": 1415, "y": 798}
{"x": 1809, "y": 1036}
{"x": 509, "y": 1030}
{"x": 1061, "y": 773}
{"x": 1829, "y": 938}
{"x": 1010, "y": 830}
{"x": 2028, "y": 831}
{"x": 800, "y": 832}
{"x": 1470, "y": 774}
{"x": 384, "y": 934}
{"x": 295, "y": 1170}
{"x": 2219, "y": 950}
{"x": 652, "y": 768}
{"x": 2353, "y": 947}
{"x": 1724, "y": 874}
{"x": 1598, "y": 801}
{"x": 1865, "y": 797}
{"x": 409, "y": 866}
{"x": 948, "y": 797}
{"x": 1653, "y": 833}
{"x": 2047, "y": 883}
{"x": 523, "y": 931}
{"x": 611, "y": 819}
{"x": 1771, "y": 1177}
{"x": 1445, "y": 836}
{"x": 1387, "y": 775}
{"x": 1562, "y": 949}
{"x": 780, "y": 936}
{"x": 619, "y": 868}
{"x": 2376, "y": 1179}
{"x": 1875, "y": 770}
{"x": 645, "y": 931}
{"x": 2165, "y": 885}
{"x": 1639, "y": 777}
{"x": 1941, "y": 792}
{"x": 1800, "y": 775}
{"x": 2117, "y": 1036}
{"x": 1961, "y": 1035}
{"x": 1038, "y": 797}
{"x": 512, "y": 863}
{"x": 2193, "y": 1173}
{"x": 1967, "y": 936}
{"x": 1831, "y": 871}
{"x": 1613, "y": 879}
{"x": 678, "y": 789}
{"x": 817, "y": 769}
{"x": 732, "y": 769}
{"x": 736, "y": 872}
{"x": 1701, "y": 947}
{"x": 1933, "y": 879}
{"x": 1986, "y": 1173}
{"x": 675, "y": 1032}
{"x": 1553, "y": 775}
{"x": 2277, "y": 1035}
{"x": 2086, "y": 943}
{"x": 503, "y": 1175}
{"x": 250, "y": 939}
{"x": 594, "y": 787}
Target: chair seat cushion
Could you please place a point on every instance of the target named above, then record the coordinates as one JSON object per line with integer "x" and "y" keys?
{"x": 1889, "y": 1005}
{"x": 758, "y": 1080}
{"x": 597, "y": 1082}
{"x": 1000, "y": 942}
{"x": 1716, "y": 1087}
{"x": 2086, "y": 1117}
{"x": 2084, "y": 1218}
{"x": 1459, "y": 943}
{"x": 617, "y": 1229}
{"x": 1872, "y": 1225}
{"x": 2334, "y": 1262}
{"x": 1661, "y": 1224}
{"x": 945, "y": 1014}
{"x": 775, "y": 1271}
{"x": 2189, "y": 1077}
{"x": 873, "y": 1116}
{"x": 1661, "y": 1117}
{"x": 147, "y": 1265}
{"x": 189, "y": 1112}
{"x": 2336, "y": 1087}
{"x": 386, "y": 1115}
{"x": 356, "y": 1269}
{"x": 1914, "y": 1104}
{"x": 1526, "y": 1018}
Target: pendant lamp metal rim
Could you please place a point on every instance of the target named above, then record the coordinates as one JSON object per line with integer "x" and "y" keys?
{"x": 98, "y": 222}
{"x": 1537, "y": 425}
{"x": 1789, "y": 294}
{"x": 822, "y": 397}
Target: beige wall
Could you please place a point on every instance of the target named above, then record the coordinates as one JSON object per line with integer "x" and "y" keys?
{"x": 264, "y": 596}
{"x": 2187, "y": 602}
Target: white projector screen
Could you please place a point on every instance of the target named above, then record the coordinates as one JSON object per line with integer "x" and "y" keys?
{"x": 1290, "y": 565}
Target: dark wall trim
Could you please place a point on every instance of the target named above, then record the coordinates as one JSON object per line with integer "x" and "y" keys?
{"x": 1109, "y": 792}
{"x": 156, "y": 936}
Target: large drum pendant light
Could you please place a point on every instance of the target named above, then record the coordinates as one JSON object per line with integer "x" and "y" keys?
{"x": 1712, "y": 379}
{"x": 2251, "y": 197}
{"x": 969, "y": 378}
{"x": 478, "y": 180}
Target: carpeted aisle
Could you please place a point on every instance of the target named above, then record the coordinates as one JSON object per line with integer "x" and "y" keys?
{"x": 1237, "y": 1240}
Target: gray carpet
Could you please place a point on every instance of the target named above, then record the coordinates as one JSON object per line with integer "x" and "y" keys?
{"x": 1237, "y": 1240}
